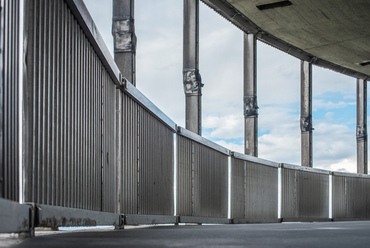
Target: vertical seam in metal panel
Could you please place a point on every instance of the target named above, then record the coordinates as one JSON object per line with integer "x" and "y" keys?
{"x": 2, "y": 86}
{"x": 4, "y": 100}
{"x": 100, "y": 143}
{"x": 192, "y": 178}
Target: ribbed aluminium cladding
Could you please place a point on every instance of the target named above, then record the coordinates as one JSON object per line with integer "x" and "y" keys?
{"x": 9, "y": 98}
{"x": 127, "y": 129}
{"x": 254, "y": 191}
{"x": 147, "y": 161}
{"x": 203, "y": 175}
{"x": 184, "y": 176}
{"x": 351, "y": 197}
{"x": 69, "y": 158}
{"x": 155, "y": 166}
{"x": 305, "y": 194}
{"x": 89, "y": 145}
{"x": 238, "y": 188}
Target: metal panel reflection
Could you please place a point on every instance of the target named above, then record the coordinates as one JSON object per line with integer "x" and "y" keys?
{"x": 305, "y": 193}
{"x": 238, "y": 188}
{"x": 203, "y": 175}
{"x": 350, "y": 196}
{"x": 254, "y": 189}
{"x": 69, "y": 97}
{"x": 9, "y": 109}
{"x": 147, "y": 151}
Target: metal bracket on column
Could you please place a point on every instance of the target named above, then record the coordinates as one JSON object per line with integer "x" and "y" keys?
{"x": 250, "y": 106}
{"x": 123, "y": 31}
{"x": 306, "y": 123}
{"x": 361, "y": 132}
{"x": 192, "y": 82}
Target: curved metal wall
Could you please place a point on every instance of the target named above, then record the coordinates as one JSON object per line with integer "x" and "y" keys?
{"x": 238, "y": 188}
{"x": 254, "y": 191}
{"x": 68, "y": 114}
{"x": 202, "y": 173}
{"x": 155, "y": 166}
{"x": 146, "y": 148}
{"x": 305, "y": 193}
{"x": 108, "y": 149}
{"x": 127, "y": 131}
{"x": 351, "y": 197}
{"x": 88, "y": 145}
{"x": 9, "y": 97}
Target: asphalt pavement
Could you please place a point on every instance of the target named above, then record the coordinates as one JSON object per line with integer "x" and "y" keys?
{"x": 316, "y": 234}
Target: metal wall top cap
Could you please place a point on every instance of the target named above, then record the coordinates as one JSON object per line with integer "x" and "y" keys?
{"x": 147, "y": 104}
{"x": 197, "y": 138}
{"x": 254, "y": 159}
{"x": 87, "y": 24}
{"x": 303, "y": 168}
{"x": 347, "y": 174}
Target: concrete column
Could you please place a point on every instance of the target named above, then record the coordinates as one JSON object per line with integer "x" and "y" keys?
{"x": 361, "y": 130}
{"x": 123, "y": 31}
{"x": 306, "y": 114}
{"x": 192, "y": 80}
{"x": 250, "y": 96}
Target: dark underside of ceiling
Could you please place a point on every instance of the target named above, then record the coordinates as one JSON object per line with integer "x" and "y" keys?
{"x": 333, "y": 33}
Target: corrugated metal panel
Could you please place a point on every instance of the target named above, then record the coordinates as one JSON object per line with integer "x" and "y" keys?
{"x": 338, "y": 197}
{"x": 351, "y": 196}
{"x": 128, "y": 127}
{"x": 254, "y": 191}
{"x": 209, "y": 180}
{"x": 367, "y": 187}
{"x": 109, "y": 200}
{"x": 305, "y": 194}
{"x": 68, "y": 115}
{"x": 238, "y": 188}
{"x": 288, "y": 194}
{"x": 155, "y": 166}
{"x": 261, "y": 192}
{"x": 9, "y": 109}
{"x": 147, "y": 160}
{"x": 184, "y": 176}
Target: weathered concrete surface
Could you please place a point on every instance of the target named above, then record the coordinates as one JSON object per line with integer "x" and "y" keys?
{"x": 334, "y": 31}
{"x": 323, "y": 234}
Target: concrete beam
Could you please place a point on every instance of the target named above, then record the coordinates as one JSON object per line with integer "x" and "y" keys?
{"x": 192, "y": 80}
{"x": 250, "y": 96}
{"x": 123, "y": 31}
{"x": 361, "y": 129}
{"x": 306, "y": 114}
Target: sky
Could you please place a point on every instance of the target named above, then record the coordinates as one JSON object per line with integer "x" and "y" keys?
{"x": 159, "y": 27}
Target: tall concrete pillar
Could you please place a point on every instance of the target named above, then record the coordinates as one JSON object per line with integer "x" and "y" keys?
{"x": 192, "y": 80}
{"x": 361, "y": 130}
{"x": 306, "y": 114}
{"x": 250, "y": 96}
{"x": 123, "y": 31}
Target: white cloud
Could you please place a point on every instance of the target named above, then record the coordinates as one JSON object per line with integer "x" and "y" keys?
{"x": 225, "y": 127}
{"x": 325, "y": 80}
{"x": 341, "y": 165}
{"x": 231, "y": 146}
{"x": 327, "y": 105}
{"x": 280, "y": 147}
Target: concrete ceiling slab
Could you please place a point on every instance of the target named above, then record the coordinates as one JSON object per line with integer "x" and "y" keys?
{"x": 335, "y": 33}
